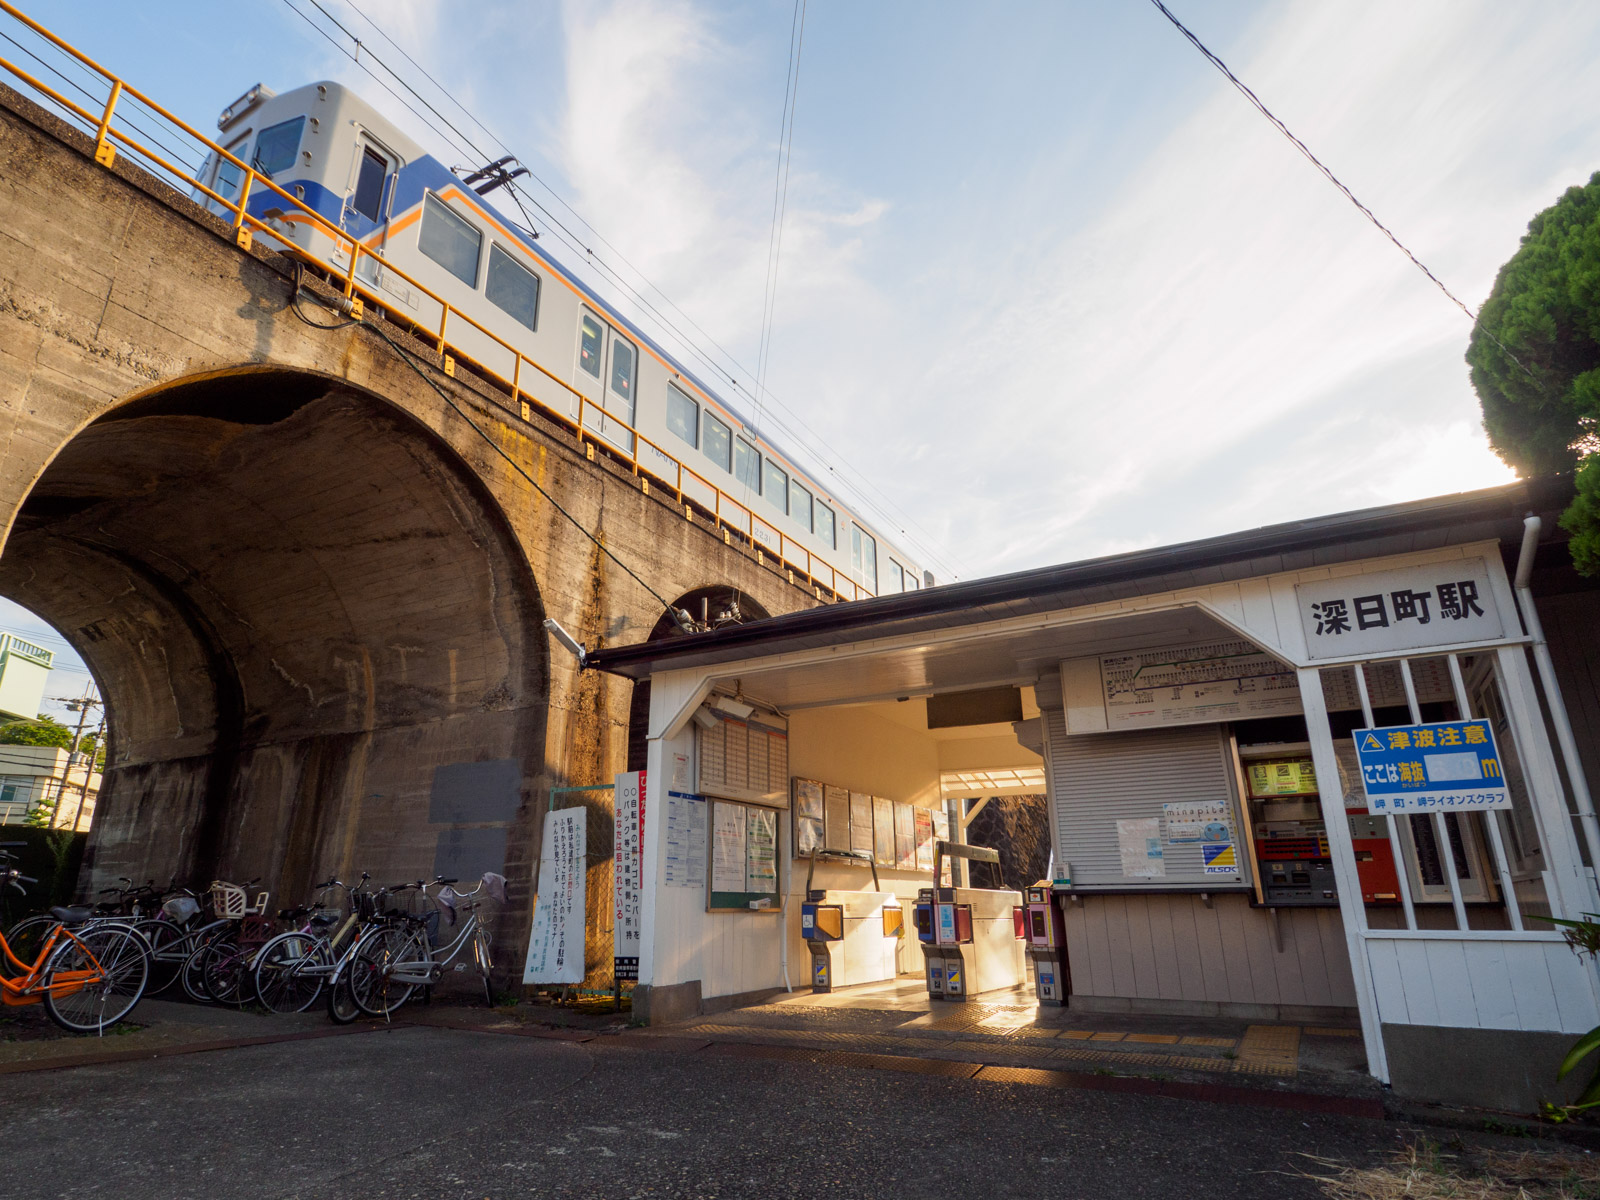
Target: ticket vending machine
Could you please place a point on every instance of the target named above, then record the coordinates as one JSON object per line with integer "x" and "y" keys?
{"x": 968, "y": 936}
{"x": 853, "y": 936}
{"x": 1046, "y": 936}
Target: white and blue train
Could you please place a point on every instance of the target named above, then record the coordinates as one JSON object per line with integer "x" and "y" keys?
{"x": 341, "y": 158}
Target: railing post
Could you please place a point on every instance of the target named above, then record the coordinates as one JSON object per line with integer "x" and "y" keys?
{"x": 241, "y": 235}
{"x": 104, "y": 152}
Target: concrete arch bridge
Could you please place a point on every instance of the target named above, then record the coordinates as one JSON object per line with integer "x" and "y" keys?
{"x": 310, "y": 590}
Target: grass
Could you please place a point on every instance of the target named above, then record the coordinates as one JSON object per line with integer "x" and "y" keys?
{"x": 1425, "y": 1171}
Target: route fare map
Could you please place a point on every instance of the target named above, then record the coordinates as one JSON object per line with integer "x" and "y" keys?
{"x": 1187, "y": 685}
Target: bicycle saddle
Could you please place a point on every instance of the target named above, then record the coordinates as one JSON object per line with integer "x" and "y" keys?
{"x": 75, "y": 914}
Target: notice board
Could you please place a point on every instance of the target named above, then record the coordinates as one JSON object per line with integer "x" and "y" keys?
{"x": 743, "y": 857}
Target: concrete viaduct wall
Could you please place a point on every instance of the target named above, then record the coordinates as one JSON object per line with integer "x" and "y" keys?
{"x": 310, "y": 592}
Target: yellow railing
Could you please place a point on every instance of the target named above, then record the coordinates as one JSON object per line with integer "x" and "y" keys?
{"x": 726, "y": 512}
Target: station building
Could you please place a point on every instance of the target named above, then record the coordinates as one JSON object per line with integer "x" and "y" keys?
{"x": 1189, "y": 713}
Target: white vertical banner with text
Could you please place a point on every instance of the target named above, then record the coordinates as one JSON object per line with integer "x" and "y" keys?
{"x": 628, "y": 879}
{"x": 555, "y": 947}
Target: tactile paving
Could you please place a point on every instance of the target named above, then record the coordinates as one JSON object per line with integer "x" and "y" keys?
{"x": 1269, "y": 1050}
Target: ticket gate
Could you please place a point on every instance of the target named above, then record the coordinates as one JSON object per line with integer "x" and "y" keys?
{"x": 853, "y": 936}
{"x": 1046, "y": 936}
{"x": 968, "y": 936}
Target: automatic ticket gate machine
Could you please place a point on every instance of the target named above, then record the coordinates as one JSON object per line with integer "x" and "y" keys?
{"x": 970, "y": 937}
{"x": 854, "y": 937}
{"x": 1045, "y": 933}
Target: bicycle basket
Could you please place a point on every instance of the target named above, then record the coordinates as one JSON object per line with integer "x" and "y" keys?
{"x": 228, "y": 900}
{"x": 181, "y": 910}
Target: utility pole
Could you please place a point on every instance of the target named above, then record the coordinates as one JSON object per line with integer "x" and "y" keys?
{"x": 82, "y": 707}
{"x": 88, "y": 769}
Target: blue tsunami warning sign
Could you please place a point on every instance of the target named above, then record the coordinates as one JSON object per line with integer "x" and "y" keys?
{"x": 1416, "y": 768}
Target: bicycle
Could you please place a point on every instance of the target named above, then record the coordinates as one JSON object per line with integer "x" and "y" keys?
{"x": 390, "y": 968}
{"x": 218, "y": 971}
{"x": 29, "y": 934}
{"x": 87, "y": 981}
{"x": 292, "y": 968}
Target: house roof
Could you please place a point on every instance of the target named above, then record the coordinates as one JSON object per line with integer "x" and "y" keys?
{"x": 1490, "y": 514}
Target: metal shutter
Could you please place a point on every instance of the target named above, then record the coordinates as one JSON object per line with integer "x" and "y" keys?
{"x": 1102, "y": 778}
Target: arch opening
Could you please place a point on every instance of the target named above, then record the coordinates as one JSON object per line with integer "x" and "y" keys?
{"x": 317, "y": 637}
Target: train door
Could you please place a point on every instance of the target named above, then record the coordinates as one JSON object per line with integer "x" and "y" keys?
{"x": 608, "y": 371}
{"x": 369, "y": 199}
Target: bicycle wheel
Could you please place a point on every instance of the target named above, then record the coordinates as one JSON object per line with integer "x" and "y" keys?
{"x": 341, "y": 1004}
{"x": 382, "y": 954}
{"x": 167, "y": 953}
{"x": 225, "y": 973}
{"x": 480, "y": 951}
{"x": 93, "y": 980}
{"x": 25, "y": 938}
{"x": 282, "y": 984}
{"x": 193, "y": 973}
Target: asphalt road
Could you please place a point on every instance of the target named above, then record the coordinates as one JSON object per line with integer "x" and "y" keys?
{"x": 444, "y": 1114}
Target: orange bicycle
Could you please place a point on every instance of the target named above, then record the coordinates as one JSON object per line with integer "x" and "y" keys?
{"x": 87, "y": 978}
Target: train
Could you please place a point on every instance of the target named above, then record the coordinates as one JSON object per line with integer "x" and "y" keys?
{"x": 341, "y": 158}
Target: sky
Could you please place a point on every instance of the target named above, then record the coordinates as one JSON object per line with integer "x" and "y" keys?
{"x": 1048, "y": 284}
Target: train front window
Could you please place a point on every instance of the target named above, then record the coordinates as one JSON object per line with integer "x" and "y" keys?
{"x": 718, "y": 442}
{"x": 776, "y": 489}
{"x": 368, "y": 200}
{"x": 512, "y": 288}
{"x": 589, "y": 346}
{"x": 683, "y": 415}
{"x": 277, "y": 147}
{"x": 746, "y": 464}
{"x": 623, "y": 357}
{"x": 823, "y": 524}
{"x": 450, "y": 241}
{"x": 800, "y": 505}
{"x": 229, "y": 175}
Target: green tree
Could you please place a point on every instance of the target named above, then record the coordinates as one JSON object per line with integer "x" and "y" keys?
{"x": 42, "y": 731}
{"x": 1535, "y": 358}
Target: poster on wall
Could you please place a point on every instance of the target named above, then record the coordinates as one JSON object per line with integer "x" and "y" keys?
{"x": 1139, "y": 846}
{"x": 1287, "y": 777}
{"x": 883, "y": 831}
{"x": 1196, "y": 821}
{"x": 627, "y": 880}
{"x": 727, "y": 848}
{"x": 861, "y": 832}
{"x": 684, "y": 863}
{"x": 808, "y": 817}
{"x": 555, "y": 947}
{"x": 836, "y": 818}
{"x": 924, "y": 820}
{"x": 905, "y": 837}
{"x": 1185, "y": 685}
{"x": 761, "y": 851}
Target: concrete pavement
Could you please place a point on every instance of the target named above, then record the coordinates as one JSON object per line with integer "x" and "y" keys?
{"x": 444, "y": 1113}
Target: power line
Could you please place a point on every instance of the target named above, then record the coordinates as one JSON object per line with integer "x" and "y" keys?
{"x": 780, "y": 201}
{"x": 1314, "y": 160}
{"x": 1348, "y": 194}
{"x": 889, "y": 512}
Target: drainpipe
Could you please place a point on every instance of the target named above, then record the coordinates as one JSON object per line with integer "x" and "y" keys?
{"x": 1552, "y": 691}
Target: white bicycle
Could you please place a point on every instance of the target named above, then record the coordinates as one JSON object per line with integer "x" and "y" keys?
{"x": 391, "y": 962}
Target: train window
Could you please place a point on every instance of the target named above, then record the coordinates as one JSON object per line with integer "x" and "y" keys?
{"x": 719, "y": 443}
{"x": 589, "y": 341}
{"x": 512, "y": 288}
{"x": 449, "y": 241}
{"x": 277, "y": 147}
{"x": 823, "y": 524}
{"x": 800, "y": 504}
{"x": 864, "y": 556}
{"x": 911, "y": 581}
{"x": 775, "y": 486}
{"x": 897, "y": 577}
{"x": 226, "y": 183}
{"x": 746, "y": 464}
{"x": 623, "y": 358}
{"x": 368, "y": 200}
{"x": 683, "y": 415}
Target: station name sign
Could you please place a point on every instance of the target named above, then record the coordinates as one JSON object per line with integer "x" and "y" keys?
{"x": 1439, "y": 605}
